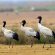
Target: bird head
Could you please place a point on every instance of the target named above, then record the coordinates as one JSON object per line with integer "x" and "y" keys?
{"x": 39, "y": 17}
{"x": 4, "y": 22}
{"x": 23, "y": 22}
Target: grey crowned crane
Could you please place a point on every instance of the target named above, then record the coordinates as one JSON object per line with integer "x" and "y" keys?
{"x": 29, "y": 31}
{"x": 45, "y": 31}
{"x": 9, "y": 34}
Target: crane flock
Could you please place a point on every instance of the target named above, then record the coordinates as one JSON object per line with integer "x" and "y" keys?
{"x": 47, "y": 32}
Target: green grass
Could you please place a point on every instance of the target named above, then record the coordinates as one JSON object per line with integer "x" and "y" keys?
{"x": 23, "y": 39}
{"x": 46, "y": 8}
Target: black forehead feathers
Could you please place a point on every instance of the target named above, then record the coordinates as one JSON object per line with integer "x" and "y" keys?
{"x": 4, "y": 21}
{"x": 23, "y": 21}
{"x": 39, "y": 17}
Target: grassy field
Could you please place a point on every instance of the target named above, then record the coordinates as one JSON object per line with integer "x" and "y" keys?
{"x": 13, "y": 22}
{"x": 27, "y": 50}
